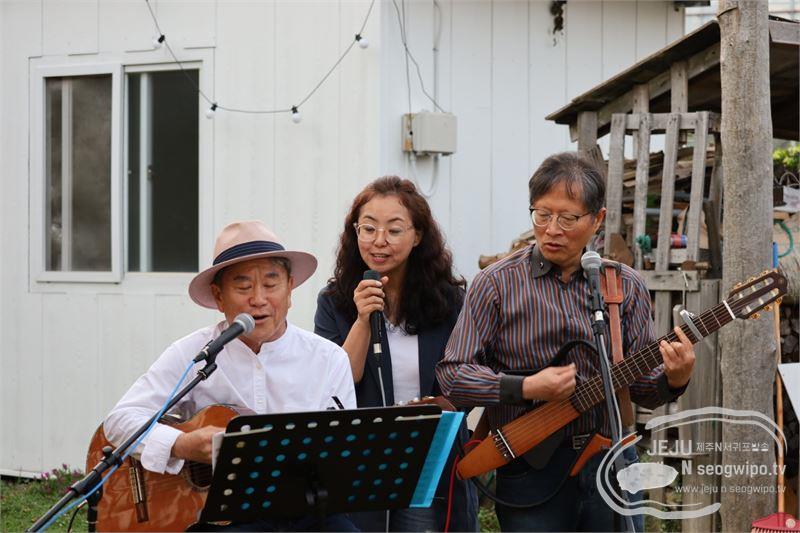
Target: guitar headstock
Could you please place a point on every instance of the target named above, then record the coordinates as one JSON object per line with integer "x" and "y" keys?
{"x": 746, "y": 299}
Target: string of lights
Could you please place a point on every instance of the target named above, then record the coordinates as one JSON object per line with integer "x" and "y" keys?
{"x": 294, "y": 109}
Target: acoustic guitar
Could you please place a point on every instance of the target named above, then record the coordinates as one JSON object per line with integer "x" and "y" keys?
{"x": 135, "y": 499}
{"x": 532, "y": 428}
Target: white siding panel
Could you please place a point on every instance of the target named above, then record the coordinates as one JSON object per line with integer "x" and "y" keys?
{"x": 125, "y": 25}
{"x": 651, "y": 27}
{"x": 510, "y": 119}
{"x": 126, "y": 329}
{"x": 548, "y": 88}
{"x": 187, "y": 24}
{"x": 246, "y": 151}
{"x": 176, "y": 317}
{"x": 675, "y": 22}
{"x": 70, "y": 377}
{"x": 22, "y": 359}
{"x": 619, "y": 37}
{"x": 471, "y": 216}
{"x": 307, "y": 155}
{"x": 70, "y": 26}
{"x": 584, "y": 30}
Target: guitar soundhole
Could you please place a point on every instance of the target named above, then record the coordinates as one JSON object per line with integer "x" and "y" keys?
{"x": 198, "y": 475}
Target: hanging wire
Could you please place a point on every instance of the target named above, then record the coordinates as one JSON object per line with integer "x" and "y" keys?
{"x": 162, "y": 38}
{"x": 410, "y": 56}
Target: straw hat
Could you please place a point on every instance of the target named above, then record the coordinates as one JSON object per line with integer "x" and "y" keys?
{"x": 243, "y": 241}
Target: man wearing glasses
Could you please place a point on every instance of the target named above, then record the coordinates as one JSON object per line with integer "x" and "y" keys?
{"x": 518, "y": 313}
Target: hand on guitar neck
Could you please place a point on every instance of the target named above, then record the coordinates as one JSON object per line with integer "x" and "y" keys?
{"x": 551, "y": 383}
{"x": 195, "y": 445}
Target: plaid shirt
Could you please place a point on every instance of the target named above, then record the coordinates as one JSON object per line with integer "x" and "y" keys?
{"x": 517, "y": 315}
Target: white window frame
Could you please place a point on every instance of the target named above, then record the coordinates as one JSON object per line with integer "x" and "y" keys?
{"x": 38, "y": 198}
{"x": 117, "y": 281}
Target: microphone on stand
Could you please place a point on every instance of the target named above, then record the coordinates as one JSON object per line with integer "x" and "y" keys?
{"x": 375, "y": 318}
{"x": 591, "y": 263}
{"x": 243, "y": 323}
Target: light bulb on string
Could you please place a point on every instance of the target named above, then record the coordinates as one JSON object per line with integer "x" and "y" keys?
{"x": 158, "y": 41}
{"x": 295, "y": 115}
{"x": 211, "y": 111}
{"x": 362, "y": 41}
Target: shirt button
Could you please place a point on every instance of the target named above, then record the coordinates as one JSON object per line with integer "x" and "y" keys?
{"x": 258, "y": 365}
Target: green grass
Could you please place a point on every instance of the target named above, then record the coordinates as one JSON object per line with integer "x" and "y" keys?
{"x": 23, "y": 501}
{"x": 487, "y": 519}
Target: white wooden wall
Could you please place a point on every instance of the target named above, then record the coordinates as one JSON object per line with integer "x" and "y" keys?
{"x": 68, "y": 351}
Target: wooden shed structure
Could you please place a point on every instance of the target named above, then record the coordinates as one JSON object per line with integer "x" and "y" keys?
{"x": 664, "y": 209}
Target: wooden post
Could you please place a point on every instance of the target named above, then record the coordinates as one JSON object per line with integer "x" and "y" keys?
{"x": 616, "y": 162}
{"x": 641, "y": 104}
{"x": 587, "y": 131}
{"x": 747, "y": 347}
{"x": 679, "y": 91}
{"x": 642, "y": 182}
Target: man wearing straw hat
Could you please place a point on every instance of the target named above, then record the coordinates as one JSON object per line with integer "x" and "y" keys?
{"x": 277, "y": 367}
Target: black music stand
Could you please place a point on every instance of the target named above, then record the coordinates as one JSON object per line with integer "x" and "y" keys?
{"x": 291, "y": 465}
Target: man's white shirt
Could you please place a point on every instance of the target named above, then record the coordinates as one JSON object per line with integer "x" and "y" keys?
{"x": 300, "y": 371}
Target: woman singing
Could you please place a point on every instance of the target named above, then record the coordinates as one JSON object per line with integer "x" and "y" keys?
{"x": 390, "y": 229}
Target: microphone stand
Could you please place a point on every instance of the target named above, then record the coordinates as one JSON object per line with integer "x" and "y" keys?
{"x": 599, "y": 329}
{"x": 114, "y": 456}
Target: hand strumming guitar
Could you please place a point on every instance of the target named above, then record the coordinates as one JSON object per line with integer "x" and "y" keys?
{"x": 551, "y": 383}
{"x": 195, "y": 445}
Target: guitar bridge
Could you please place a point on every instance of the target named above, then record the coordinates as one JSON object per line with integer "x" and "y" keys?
{"x": 138, "y": 490}
{"x": 502, "y": 445}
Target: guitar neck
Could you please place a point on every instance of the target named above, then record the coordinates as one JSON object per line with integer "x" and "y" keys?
{"x": 591, "y": 392}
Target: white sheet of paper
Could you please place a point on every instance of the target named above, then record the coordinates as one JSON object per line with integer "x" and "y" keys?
{"x": 216, "y": 443}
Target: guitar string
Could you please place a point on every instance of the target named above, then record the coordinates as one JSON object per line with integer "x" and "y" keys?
{"x": 517, "y": 429}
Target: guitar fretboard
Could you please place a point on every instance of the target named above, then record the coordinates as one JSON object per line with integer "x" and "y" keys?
{"x": 591, "y": 392}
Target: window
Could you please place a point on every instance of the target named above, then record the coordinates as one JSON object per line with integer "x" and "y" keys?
{"x": 78, "y": 173}
{"x": 162, "y": 171}
{"x": 115, "y": 171}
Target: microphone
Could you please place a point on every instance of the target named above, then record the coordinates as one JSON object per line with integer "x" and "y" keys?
{"x": 375, "y": 318}
{"x": 591, "y": 262}
{"x": 243, "y": 323}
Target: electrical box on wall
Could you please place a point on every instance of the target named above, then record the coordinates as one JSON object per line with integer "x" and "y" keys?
{"x": 429, "y": 133}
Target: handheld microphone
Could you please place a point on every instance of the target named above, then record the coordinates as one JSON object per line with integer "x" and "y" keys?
{"x": 243, "y": 323}
{"x": 591, "y": 262}
{"x": 375, "y": 318}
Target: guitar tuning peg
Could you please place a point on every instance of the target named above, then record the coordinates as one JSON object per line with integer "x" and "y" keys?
{"x": 755, "y": 316}
{"x": 751, "y": 280}
{"x": 768, "y": 307}
{"x": 778, "y": 301}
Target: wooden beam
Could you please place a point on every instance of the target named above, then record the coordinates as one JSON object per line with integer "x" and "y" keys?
{"x": 784, "y": 32}
{"x": 616, "y": 163}
{"x": 658, "y": 122}
{"x": 668, "y": 192}
{"x": 587, "y": 131}
{"x": 671, "y": 281}
{"x": 698, "y": 181}
{"x": 679, "y": 87}
{"x": 642, "y": 182}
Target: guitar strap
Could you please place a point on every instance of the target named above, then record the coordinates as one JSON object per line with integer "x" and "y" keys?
{"x": 611, "y": 287}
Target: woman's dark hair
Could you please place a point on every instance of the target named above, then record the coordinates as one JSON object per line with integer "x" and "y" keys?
{"x": 427, "y": 292}
{"x": 578, "y": 174}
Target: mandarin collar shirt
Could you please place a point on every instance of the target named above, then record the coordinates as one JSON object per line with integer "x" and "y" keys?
{"x": 299, "y": 371}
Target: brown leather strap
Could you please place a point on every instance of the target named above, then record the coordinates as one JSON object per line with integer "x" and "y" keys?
{"x": 611, "y": 286}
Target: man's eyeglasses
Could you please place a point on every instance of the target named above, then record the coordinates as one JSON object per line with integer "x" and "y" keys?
{"x": 565, "y": 221}
{"x": 392, "y": 234}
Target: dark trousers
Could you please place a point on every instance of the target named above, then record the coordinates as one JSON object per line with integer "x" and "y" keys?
{"x": 575, "y": 505}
